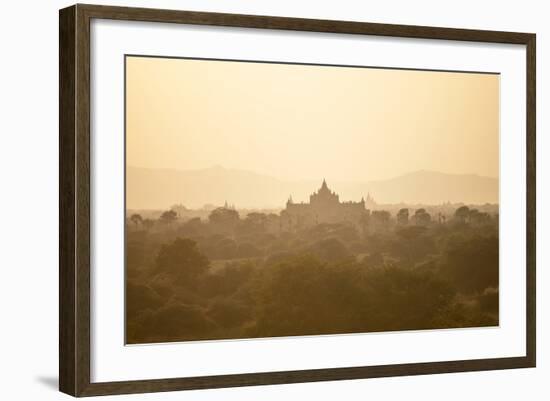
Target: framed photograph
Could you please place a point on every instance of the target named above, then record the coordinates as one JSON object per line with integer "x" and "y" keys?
{"x": 250, "y": 200}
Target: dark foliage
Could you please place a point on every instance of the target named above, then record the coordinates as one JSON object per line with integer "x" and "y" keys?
{"x": 181, "y": 261}
{"x": 232, "y": 277}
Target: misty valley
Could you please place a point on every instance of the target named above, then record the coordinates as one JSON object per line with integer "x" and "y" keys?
{"x": 320, "y": 267}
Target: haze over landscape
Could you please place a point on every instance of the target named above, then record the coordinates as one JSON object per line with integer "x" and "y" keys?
{"x": 268, "y": 200}
{"x": 161, "y": 188}
{"x": 296, "y": 122}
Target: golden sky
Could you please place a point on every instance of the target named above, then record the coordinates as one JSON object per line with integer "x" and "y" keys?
{"x": 306, "y": 122}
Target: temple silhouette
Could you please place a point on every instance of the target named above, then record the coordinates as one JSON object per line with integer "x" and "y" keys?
{"x": 324, "y": 207}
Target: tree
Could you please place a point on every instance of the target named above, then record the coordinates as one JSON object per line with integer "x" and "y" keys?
{"x": 403, "y": 217}
{"x": 411, "y": 233}
{"x": 422, "y": 218}
{"x": 136, "y": 219}
{"x": 380, "y": 218}
{"x": 248, "y": 250}
{"x": 364, "y": 220}
{"x": 472, "y": 263}
{"x": 169, "y": 216}
{"x": 225, "y": 218}
{"x": 304, "y": 295}
{"x": 413, "y": 243}
{"x": 477, "y": 217}
{"x": 256, "y": 218}
{"x": 182, "y": 261}
{"x": 225, "y": 248}
{"x": 462, "y": 213}
{"x": 148, "y": 223}
{"x": 179, "y": 209}
{"x": 174, "y": 321}
{"x": 140, "y": 297}
{"x": 331, "y": 250}
{"x": 254, "y": 223}
{"x": 229, "y": 313}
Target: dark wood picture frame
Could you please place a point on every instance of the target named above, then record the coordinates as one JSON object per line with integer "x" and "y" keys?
{"x": 74, "y": 199}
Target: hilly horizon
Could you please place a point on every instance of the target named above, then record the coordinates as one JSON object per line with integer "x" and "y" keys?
{"x": 149, "y": 188}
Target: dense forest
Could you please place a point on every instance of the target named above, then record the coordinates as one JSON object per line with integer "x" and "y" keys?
{"x": 235, "y": 275}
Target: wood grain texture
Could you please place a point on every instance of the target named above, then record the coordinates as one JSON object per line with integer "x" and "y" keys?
{"x": 531, "y": 178}
{"x": 301, "y": 24}
{"x": 301, "y": 376}
{"x": 82, "y": 201}
{"x": 67, "y": 295}
{"x": 74, "y": 199}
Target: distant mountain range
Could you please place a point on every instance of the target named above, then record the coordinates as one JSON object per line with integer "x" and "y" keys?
{"x": 162, "y": 188}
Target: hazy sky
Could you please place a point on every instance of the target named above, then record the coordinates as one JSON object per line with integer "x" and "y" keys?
{"x": 307, "y": 122}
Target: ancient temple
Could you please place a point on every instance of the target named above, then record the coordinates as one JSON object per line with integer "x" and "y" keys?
{"x": 324, "y": 207}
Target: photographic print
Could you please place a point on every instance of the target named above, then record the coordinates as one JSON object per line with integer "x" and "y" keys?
{"x": 269, "y": 199}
